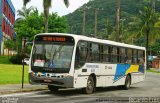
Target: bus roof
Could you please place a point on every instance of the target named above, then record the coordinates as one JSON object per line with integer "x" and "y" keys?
{"x": 92, "y": 39}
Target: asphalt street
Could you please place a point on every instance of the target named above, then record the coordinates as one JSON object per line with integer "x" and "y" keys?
{"x": 149, "y": 90}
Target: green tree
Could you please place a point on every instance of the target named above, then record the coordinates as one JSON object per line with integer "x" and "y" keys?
{"x": 24, "y": 13}
{"x": 147, "y": 26}
{"x": 57, "y": 24}
{"x": 46, "y": 6}
{"x": 148, "y": 29}
{"x": 10, "y": 45}
{"x": 33, "y": 24}
{"x": 28, "y": 27}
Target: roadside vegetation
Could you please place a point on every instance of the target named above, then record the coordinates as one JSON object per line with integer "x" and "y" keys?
{"x": 153, "y": 71}
{"x": 139, "y": 19}
{"x": 26, "y": 27}
{"x": 10, "y": 73}
{"x": 4, "y": 60}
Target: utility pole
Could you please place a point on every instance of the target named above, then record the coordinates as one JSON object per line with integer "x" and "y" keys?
{"x": 95, "y": 22}
{"x": 118, "y": 21}
{"x": 107, "y": 27}
{"x": 84, "y": 21}
{"x": 24, "y": 40}
{"x": 147, "y": 38}
{"x": 154, "y": 5}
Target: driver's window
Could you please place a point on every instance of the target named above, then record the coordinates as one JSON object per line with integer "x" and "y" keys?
{"x": 81, "y": 54}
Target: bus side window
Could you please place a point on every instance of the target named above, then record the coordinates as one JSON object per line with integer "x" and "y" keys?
{"x": 140, "y": 57}
{"x": 135, "y": 59}
{"x": 114, "y": 54}
{"x": 81, "y": 54}
{"x": 129, "y": 55}
{"x": 105, "y": 53}
{"x": 94, "y": 53}
{"x": 122, "y": 54}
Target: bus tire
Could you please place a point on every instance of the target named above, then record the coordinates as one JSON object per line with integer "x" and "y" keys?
{"x": 90, "y": 86}
{"x": 127, "y": 82}
{"x": 53, "y": 88}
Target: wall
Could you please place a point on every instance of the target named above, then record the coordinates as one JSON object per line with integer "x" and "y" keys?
{"x": 7, "y": 21}
{"x": 0, "y": 26}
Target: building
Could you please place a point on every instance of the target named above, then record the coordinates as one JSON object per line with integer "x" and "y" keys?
{"x": 156, "y": 63}
{"x": 7, "y": 20}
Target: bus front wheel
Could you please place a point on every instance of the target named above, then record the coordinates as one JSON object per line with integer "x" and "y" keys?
{"x": 127, "y": 82}
{"x": 53, "y": 88}
{"x": 90, "y": 86}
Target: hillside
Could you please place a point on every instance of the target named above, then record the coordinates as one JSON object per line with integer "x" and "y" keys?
{"x": 106, "y": 17}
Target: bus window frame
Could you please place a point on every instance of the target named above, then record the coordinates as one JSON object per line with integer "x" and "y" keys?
{"x": 110, "y": 54}
{"x": 75, "y": 64}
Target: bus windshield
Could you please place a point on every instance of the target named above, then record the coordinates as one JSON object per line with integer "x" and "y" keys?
{"x": 53, "y": 56}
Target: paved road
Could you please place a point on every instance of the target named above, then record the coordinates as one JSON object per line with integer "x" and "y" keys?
{"x": 149, "y": 88}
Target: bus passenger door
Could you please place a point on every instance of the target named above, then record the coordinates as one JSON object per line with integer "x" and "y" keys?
{"x": 80, "y": 78}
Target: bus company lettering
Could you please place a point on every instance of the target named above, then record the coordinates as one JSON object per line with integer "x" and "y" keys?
{"x": 92, "y": 66}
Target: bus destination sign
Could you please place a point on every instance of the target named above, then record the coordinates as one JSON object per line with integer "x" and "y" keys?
{"x": 54, "y": 38}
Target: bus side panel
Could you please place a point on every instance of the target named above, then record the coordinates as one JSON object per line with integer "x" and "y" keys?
{"x": 108, "y": 74}
{"x": 104, "y": 74}
{"x": 137, "y": 77}
{"x": 80, "y": 80}
{"x": 122, "y": 70}
{"x": 121, "y": 81}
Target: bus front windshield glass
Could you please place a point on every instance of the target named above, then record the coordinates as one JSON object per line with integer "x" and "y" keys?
{"x": 52, "y": 55}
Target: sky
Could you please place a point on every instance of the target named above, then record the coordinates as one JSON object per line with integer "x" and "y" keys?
{"x": 57, "y": 5}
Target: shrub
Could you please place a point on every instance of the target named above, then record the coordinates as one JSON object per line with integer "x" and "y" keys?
{"x": 17, "y": 59}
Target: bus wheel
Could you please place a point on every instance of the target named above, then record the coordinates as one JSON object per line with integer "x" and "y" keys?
{"x": 53, "y": 88}
{"x": 90, "y": 86}
{"x": 127, "y": 82}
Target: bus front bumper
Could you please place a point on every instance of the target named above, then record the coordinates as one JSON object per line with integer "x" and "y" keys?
{"x": 61, "y": 82}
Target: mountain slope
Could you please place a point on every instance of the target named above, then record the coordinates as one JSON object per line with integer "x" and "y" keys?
{"x": 106, "y": 17}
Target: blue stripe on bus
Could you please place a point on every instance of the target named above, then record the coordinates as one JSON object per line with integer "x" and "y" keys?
{"x": 122, "y": 69}
{"x": 141, "y": 68}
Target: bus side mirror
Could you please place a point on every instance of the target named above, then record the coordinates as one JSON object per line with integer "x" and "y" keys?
{"x": 29, "y": 43}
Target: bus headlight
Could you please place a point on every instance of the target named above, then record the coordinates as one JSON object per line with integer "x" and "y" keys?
{"x": 32, "y": 73}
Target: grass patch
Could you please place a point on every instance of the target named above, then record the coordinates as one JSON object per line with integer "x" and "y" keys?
{"x": 4, "y": 60}
{"x": 12, "y": 74}
{"x": 153, "y": 71}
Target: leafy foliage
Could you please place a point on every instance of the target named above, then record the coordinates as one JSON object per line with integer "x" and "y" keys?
{"x": 57, "y": 24}
{"x": 46, "y": 5}
{"x": 129, "y": 9}
{"x": 9, "y": 44}
{"x": 32, "y": 24}
{"x": 136, "y": 17}
{"x": 17, "y": 59}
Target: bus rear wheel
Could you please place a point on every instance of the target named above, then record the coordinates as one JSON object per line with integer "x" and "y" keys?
{"x": 127, "y": 82}
{"x": 53, "y": 88}
{"x": 90, "y": 86}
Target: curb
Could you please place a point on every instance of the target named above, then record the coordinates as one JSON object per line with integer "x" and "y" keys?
{"x": 157, "y": 70}
{"x": 10, "y": 89}
{"x": 21, "y": 91}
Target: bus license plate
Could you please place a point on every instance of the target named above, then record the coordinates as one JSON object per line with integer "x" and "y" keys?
{"x": 47, "y": 80}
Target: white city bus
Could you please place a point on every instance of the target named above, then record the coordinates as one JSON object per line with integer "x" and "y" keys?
{"x": 73, "y": 61}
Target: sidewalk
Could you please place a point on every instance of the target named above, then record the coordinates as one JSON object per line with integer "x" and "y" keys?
{"x": 158, "y": 70}
{"x": 16, "y": 88}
